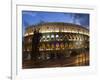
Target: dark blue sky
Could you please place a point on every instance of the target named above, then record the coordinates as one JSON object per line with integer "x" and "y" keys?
{"x": 36, "y": 17}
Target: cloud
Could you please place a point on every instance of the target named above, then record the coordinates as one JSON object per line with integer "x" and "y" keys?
{"x": 81, "y": 19}
{"x": 30, "y": 13}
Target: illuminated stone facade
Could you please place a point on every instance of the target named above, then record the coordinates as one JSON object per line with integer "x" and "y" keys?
{"x": 58, "y": 40}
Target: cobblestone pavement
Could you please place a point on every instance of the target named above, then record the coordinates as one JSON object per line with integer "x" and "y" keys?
{"x": 55, "y": 63}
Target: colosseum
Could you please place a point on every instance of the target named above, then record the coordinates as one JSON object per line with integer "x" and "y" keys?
{"x": 61, "y": 44}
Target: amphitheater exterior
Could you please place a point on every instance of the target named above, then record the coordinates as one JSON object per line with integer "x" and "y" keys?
{"x": 59, "y": 40}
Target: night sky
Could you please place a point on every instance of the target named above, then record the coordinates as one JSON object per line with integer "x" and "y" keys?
{"x": 36, "y": 17}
